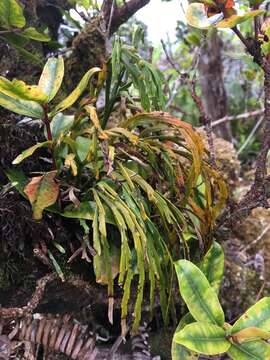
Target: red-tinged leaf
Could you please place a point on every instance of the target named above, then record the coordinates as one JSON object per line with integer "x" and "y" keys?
{"x": 229, "y": 4}
{"x": 42, "y": 191}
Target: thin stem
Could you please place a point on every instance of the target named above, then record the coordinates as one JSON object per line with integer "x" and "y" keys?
{"x": 241, "y": 37}
{"x": 46, "y": 121}
{"x": 12, "y": 31}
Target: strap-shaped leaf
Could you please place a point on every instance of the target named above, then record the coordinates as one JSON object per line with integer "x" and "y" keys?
{"x": 19, "y": 90}
{"x": 257, "y": 315}
{"x": 234, "y": 20}
{"x": 28, "y": 152}
{"x": 52, "y": 77}
{"x": 77, "y": 92}
{"x": 213, "y": 266}
{"x": 200, "y": 297}
{"x": 11, "y": 14}
{"x": 42, "y": 191}
{"x": 22, "y": 107}
{"x": 32, "y": 33}
{"x": 252, "y": 350}
{"x": 203, "y": 338}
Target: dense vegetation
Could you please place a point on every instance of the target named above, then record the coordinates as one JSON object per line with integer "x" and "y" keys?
{"x": 111, "y": 178}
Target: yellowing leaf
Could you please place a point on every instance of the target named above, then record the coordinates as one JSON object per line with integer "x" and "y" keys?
{"x": 200, "y": 297}
{"x": 77, "y": 92}
{"x": 28, "y": 152}
{"x": 22, "y": 107}
{"x": 100, "y": 265}
{"x": 71, "y": 163}
{"x": 250, "y": 333}
{"x": 252, "y": 350}
{"x": 257, "y": 315}
{"x": 234, "y": 20}
{"x": 203, "y": 338}
{"x": 52, "y": 77}
{"x": 11, "y": 14}
{"x": 213, "y": 266}
{"x": 17, "y": 89}
{"x": 42, "y": 191}
{"x": 94, "y": 118}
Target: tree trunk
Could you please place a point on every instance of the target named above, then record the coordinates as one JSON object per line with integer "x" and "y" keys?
{"x": 212, "y": 84}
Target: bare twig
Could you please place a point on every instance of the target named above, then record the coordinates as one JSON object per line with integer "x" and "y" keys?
{"x": 250, "y": 136}
{"x": 243, "y": 116}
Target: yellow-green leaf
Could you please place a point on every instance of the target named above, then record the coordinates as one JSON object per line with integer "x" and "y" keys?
{"x": 252, "y": 350}
{"x": 203, "y": 338}
{"x": 22, "y": 107}
{"x": 100, "y": 265}
{"x": 200, "y": 297}
{"x": 32, "y": 33}
{"x": 234, "y": 20}
{"x": 197, "y": 17}
{"x": 61, "y": 124}
{"x": 76, "y": 93}
{"x": 52, "y": 77}
{"x": 257, "y": 316}
{"x": 71, "y": 163}
{"x": 213, "y": 265}
{"x": 42, "y": 191}
{"x": 11, "y": 14}
{"x": 179, "y": 351}
{"x": 28, "y": 152}
{"x": 19, "y": 90}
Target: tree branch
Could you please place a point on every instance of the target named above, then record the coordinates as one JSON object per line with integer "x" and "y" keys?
{"x": 120, "y": 15}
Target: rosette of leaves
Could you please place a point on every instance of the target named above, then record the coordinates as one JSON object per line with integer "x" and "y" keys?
{"x": 144, "y": 187}
{"x": 207, "y": 14}
{"x": 203, "y": 330}
{"x": 14, "y": 30}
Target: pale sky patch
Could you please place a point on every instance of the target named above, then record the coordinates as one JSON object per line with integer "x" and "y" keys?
{"x": 161, "y": 18}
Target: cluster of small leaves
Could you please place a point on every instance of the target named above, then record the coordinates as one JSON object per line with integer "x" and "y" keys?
{"x": 147, "y": 177}
{"x": 14, "y": 30}
{"x": 204, "y": 330}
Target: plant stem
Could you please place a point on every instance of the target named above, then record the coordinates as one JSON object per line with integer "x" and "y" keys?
{"x": 241, "y": 37}
{"x": 46, "y": 121}
{"x": 12, "y": 31}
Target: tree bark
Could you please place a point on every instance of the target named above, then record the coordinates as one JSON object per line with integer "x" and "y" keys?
{"x": 212, "y": 84}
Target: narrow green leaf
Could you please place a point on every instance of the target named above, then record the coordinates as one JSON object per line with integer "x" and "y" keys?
{"x": 28, "y": 152}
{"x": 56, "y": 266}
{"x": 203, "y": 338}
{"x": 77, "y": 92}
{"x": 234, "y": 20}
{"x": 253, "y": 350}
{"x": 33, "y": 34}
{"x": 22, "y": 107}
{"x": 18, "y": 180}
{"x": 213, "y": 265}
{"x": 257, "y": 315}
{"x": 201, "y": 299}
{"x": 11, "y": 14}
{"x": 52, "y": 77}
